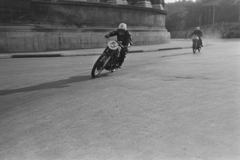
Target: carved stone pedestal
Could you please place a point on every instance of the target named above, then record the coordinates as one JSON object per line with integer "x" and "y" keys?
{"x": 124, "y": 2}
{"x": 144, "y": 3}
{"x": 95, "y": 1}
{"x": 158, "y": 6}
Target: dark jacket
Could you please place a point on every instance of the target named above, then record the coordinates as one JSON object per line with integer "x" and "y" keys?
{"x": 197, "y": 33}
{"x": 125, "y": 38}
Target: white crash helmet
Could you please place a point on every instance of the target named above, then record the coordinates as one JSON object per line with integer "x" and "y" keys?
{"x": 122, "y": 26}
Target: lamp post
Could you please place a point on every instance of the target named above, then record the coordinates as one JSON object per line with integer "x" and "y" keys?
{"x": 214, "y": 13}
{"x": 238, "y": 3}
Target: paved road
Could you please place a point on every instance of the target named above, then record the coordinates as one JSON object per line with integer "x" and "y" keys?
{"x": 161, "y": 105}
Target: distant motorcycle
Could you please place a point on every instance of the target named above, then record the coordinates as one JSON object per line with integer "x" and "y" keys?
{"x": 109, "y": 59}
{"x": 196, "y": 44}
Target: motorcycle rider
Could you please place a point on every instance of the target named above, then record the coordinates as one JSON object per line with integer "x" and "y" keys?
{"x": 122, "y": 35}
{"x": 198, "y": 33}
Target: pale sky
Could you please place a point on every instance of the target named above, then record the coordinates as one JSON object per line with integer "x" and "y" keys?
{"x": 169, "y": 1}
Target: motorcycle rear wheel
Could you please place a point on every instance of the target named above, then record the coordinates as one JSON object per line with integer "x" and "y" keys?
{"x": 98, "y": 66}
{"x": 194, "y": 50}
{"x": 194, "y": 47}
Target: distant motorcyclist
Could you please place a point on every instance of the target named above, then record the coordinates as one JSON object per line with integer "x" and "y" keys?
{"x": 198, "y": 33}
{"x": 122, "y": 35}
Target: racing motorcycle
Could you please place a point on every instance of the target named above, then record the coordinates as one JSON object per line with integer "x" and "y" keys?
{"x": 196, "y": 44}
{"x": 109, "y": 59}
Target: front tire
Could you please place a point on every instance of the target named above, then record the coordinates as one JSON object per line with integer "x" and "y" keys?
{"x": 99, "y": 65}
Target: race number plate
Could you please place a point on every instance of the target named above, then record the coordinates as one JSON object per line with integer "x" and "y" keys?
{"x": 113, "y": 45}
{"x": 195, "y": 37}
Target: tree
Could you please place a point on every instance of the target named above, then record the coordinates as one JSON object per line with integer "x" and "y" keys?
{"x": 227, "y": 11}
{"x": 176, "y": 19}
{"x": 185, "y": 15}
{"x": 193, "y": 16}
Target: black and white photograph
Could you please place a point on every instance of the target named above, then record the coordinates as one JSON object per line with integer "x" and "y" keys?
{"x": 119, "y": 79}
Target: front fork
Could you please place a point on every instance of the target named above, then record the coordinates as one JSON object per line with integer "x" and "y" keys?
{"x": 194, "y": 43}
{"x": 106, "y": 61}
{"x": 114, "y": 59}
{"x": 118, "y": 52}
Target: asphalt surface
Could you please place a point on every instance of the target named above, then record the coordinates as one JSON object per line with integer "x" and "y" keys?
{"x": 168, "y": 105}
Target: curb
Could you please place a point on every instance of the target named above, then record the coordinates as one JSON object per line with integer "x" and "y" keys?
{"x": 162, "y": 49}
{"x": 35, "y": 55}
{"x": 86, "y": 54}
{"x": 5, "y": 56}
{"x": 71, "y": 55}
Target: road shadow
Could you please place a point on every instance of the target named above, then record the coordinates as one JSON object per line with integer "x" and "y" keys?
{"x": 51, "y": 85}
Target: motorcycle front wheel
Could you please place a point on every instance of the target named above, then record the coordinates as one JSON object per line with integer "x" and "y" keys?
{"x": 99, "y": 65}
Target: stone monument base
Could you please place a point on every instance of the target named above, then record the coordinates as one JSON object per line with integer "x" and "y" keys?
{"x": 144, "y": 3}
{"x": 158, "y": 6}
{"x": 27, "y": 38}
{"x": 117, "y": 2}
{"x": 73, "y": 24}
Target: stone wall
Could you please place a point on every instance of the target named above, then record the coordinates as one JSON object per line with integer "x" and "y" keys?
{"x": 85, "y": 14}
{"x": 32, "y": 39}
{"x": 15, "y": 11}
{"x": 63, "y": 25}
{"x": 15, "y": 4}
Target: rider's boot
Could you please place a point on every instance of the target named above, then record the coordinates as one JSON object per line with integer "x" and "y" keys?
{"x": 120, "y": 63}
{"x": 201, "y": 43}
{"x": 119, "y": 66}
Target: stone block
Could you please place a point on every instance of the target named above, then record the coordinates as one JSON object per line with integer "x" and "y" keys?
{"x": 158, "y": 6}
{"x": 78, "y": 0}
{"x": 15, "y": 34}
{"x": 39, "y": 34}
{"x": 3, "y": 49}
{"x": 37, "y": 45}
{"x": 16, "y": 4}
{"x": 73, "y": 40}
{"x": 144, "y": 3}
{"x": 19, "y": 41}
{"x": 67, "y": 34}
{"x": 51, "y": 46}
{"x": 78, "y": 39}
{"x": 19, "y": 48}
{"x": 53, "y": 34}
{"x": 29, "y": 47}
{"x": 74, "y": 46}
{"x": 28, "y": 41}
{"x": 9, "y": 49}
{"x": 10, "y": 41}
{"x": 3, "y": 35}
{"x": 93, "y": 1}
{"x": 65, "y": 40}
{"x": 29, "y": 34}
{"x": 3, "y": 41}
{"x": 66, "y": 46}
{"x": 122, "y": 2}
{"x": 51, "y": 39}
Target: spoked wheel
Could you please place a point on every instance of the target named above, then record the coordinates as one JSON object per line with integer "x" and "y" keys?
{"x": 194, "y": 50}
{"x": 99, "y": 65}
{"x": 113, "y": 70}
{"x": 194, "y": 47}
{"x": 199, "y": 49}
